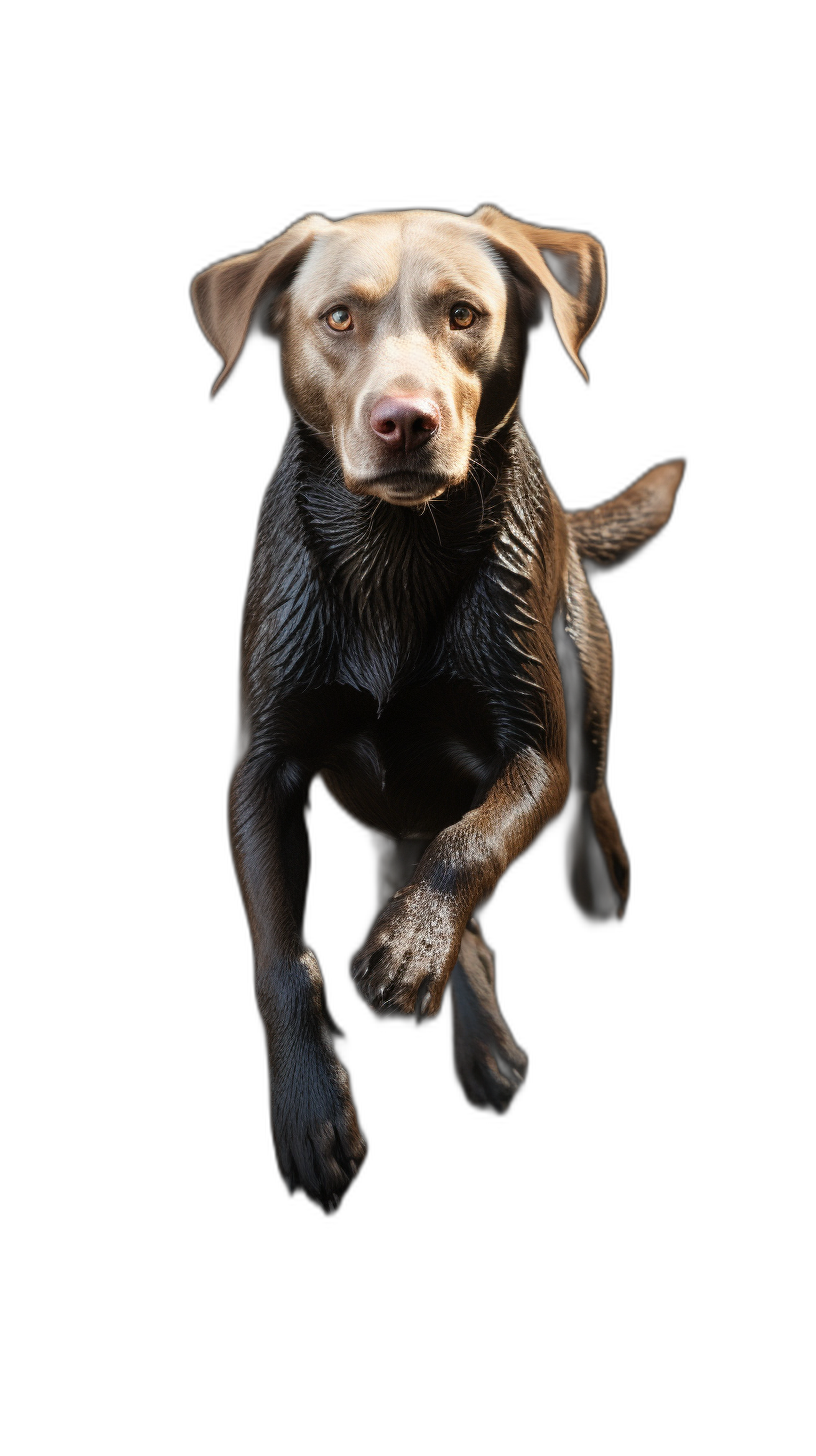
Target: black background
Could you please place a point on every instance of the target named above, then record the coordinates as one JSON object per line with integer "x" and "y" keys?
{"x": 620, "y": 1145}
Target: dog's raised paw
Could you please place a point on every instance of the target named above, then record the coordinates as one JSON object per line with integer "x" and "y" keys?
{"x": 412, "y": 948}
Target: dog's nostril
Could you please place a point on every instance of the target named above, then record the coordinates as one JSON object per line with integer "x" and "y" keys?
{"x": 404, "y": 422}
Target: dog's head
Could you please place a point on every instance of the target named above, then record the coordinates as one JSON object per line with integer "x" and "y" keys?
{"x": 403, "y": 333}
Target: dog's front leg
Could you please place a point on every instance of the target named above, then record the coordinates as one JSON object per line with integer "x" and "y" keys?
{"x": 317, "y": 1139}
{"x": 413, "y": 945}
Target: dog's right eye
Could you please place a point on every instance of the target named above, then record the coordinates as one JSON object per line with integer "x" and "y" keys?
{"x": 339, "y": 319}
{"x": 461, "y": 316}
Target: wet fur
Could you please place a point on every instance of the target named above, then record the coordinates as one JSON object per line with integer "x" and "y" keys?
{"x": 406, "y": 654}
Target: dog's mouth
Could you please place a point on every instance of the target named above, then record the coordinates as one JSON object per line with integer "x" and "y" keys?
{"x": 403, "y": 487}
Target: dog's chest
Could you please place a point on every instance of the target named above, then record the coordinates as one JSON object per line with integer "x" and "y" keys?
{"x": 415, "y": 763}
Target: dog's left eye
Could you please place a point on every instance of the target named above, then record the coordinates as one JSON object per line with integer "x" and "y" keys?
{"x": 339, "y": 319}
{"x": 461, "y": 317}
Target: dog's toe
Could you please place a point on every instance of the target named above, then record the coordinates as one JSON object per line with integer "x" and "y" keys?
{"x": 405, "y": 963}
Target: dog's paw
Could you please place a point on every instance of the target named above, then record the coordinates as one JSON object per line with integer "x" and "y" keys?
{"x": 410, "y": 952}
{"x": 318, "y": 1142}
{"x": 490, "y": 1071}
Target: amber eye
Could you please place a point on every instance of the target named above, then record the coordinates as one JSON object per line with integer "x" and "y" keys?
{"x": 339, "y": 319}
{"x": 461, "y": 316}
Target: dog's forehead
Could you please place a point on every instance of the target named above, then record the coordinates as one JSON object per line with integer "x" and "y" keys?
{"x": 374, "y": 252}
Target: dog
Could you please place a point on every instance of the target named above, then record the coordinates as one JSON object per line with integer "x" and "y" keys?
{"x": 398, "y": 635}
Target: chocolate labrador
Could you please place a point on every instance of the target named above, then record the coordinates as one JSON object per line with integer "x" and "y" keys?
{"x": 398, "y": 637}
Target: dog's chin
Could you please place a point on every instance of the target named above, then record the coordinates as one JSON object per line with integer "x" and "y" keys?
{"x": 403, "y": 487}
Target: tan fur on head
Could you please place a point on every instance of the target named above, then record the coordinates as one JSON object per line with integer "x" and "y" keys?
{"x": 400, "y": 276}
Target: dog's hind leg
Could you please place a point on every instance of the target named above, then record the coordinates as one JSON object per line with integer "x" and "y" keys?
{"x": 600, "y": 867}
{"x": 398, "y": 860}
{"x": 489, "y": 1063}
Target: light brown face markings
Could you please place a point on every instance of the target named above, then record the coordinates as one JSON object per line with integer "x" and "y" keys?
{"x": 403, "y": 306}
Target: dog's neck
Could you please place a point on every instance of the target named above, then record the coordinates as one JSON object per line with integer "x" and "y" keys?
{"x": 379, "y": 584}
{"x": 403, "y": 563}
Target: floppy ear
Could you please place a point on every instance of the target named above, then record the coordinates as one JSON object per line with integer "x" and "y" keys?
{"x": 225, "y": 295}
{"x": 521, "y": 243}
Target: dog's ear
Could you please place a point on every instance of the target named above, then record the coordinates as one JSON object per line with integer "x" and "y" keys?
{"x": 520, "y": 244}
{"x": 225, "y": 295}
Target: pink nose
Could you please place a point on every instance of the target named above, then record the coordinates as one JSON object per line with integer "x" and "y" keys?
{"x": 404, "y": 421}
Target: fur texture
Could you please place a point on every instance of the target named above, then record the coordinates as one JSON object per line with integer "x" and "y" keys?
{"x": 398, "y": 635}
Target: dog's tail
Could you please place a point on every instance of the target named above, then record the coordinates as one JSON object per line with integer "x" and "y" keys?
{"x": 610, "y": 531}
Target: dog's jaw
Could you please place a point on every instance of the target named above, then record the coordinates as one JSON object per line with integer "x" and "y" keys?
{"x": 403, "y": 487}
